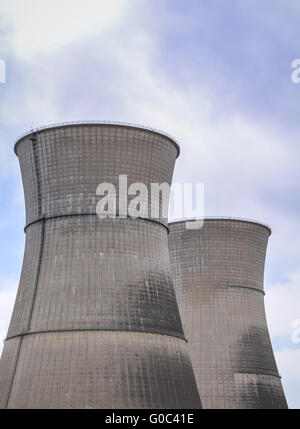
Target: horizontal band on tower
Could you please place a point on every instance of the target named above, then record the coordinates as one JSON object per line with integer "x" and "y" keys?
{"x": 146, "y": 331}
{"x": 272, "y": 374}
{"x": 44, "y": 218}
{"x": 248, "y": 287}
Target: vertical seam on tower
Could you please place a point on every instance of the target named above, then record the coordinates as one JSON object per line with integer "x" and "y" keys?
{"x": 39, "y": 201}
{"x": 37, "y": 274}
{"x": 14, "y": 372}
{"x": 33, "y": 139}
{"x": 31, "y": 311}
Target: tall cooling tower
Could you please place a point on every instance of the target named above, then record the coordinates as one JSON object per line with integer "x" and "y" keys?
{"x": 95, "y": 322}
{"x": 218, "y": 273}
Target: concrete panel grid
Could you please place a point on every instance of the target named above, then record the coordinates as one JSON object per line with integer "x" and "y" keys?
{"x": 218, "y": 275}
{"x": 96, "y": 322}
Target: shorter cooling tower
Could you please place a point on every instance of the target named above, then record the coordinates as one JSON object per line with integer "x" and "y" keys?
{"x": 218, "y": 272}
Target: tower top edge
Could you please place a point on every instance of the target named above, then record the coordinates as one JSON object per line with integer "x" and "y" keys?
{"x": 225, "y": 218}
{"x": 97, "y": 122}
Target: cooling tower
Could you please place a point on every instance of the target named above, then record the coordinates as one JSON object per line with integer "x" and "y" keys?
{"x": 95, "y": 322}
{"x": 218, "y": 273}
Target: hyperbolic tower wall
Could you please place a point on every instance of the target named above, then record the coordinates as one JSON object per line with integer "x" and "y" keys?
{"x": 95, "y": 322}
{"x": 218, "y": 273}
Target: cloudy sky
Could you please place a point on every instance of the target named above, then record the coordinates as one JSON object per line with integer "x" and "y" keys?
{"x": 215, "y": 74}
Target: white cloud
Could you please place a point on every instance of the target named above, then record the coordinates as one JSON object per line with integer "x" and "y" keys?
{"x": 283, "y": 310}
{"x": 38, "y": 25}
{"x": 283, "y": 306}
{"x": 288, "y": 362}
{"x": 7, "y": 298}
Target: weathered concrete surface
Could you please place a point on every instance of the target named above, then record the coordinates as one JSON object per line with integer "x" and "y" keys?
{"x": 107, "y": 369}
{"x": 95, "y": 323}
{"x": 218, "y": 275}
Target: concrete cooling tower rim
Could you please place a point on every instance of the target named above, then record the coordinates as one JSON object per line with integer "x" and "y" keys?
{"x": 220, "y": 218}
{"x": 115, "y": 123}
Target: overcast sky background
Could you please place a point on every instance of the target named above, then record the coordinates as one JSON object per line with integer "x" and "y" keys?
{"x": 215, "y": 74}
